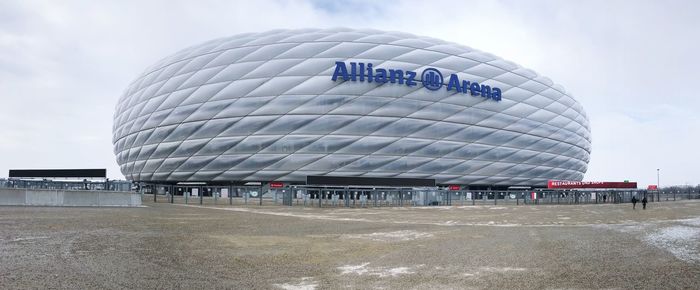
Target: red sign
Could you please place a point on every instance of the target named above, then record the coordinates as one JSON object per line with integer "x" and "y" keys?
{"x": 565, "y": 184}
{"x": 276, "y": 184}
{"x": 652, "y": 187}
{"x": 454, "y": 187}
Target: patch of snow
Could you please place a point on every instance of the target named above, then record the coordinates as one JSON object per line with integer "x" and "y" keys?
{"x": 306, "y": 283}
{"x": 357, "y": 269}
{"x": 692, "y": 222}
{"x": 681, "y": 241}
{"x": 501, "y": 269}
{"x": 382, "y": 272}
{"x": 624, "y": 228}
{"x": 508, "y": 225}
{"x": 397, "y": 271}
{"x": 497, "y": 207}
{"x": 484, "y": 270}
{"x": 400, "y": 236}
{"x": 28, "y": 239}
{"x": 441, "y": 207}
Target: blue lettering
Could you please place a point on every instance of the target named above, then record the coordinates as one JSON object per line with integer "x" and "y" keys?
{"x": 362, "y": 71}
{"x": 380, "y": 75}
{"x": 369, "y": 72}
{"x": 340, "y": 71}
{"x": 474, "y": 88}
{"x": 353, "y": 71}
{"x": 453, "y": 83}
{"x": 431, "y": 78}
{"x": 465, "y": 87}
{"x": 396, "y": 74}
{"x": 411, "y": 79}
{"x": 485, "y": 91}
{"x": 496, "y": 95}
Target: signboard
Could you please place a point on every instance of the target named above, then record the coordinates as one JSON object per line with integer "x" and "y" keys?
{"x": 564, "y": 184}
{"x": 652, "y": 187}
{"x": 454, "y": 187}
{"x": 431, "y": 79}
{"x": 62, "y": 173}
{"x": 276, "y": 184}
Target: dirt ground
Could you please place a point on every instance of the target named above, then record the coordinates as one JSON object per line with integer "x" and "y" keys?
{"x": 171, "y": 246}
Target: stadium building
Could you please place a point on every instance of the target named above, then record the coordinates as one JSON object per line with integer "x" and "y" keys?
{"x": 347, "y": 106}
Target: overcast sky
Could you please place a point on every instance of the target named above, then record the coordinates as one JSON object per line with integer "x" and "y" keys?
{"x": 631, "y": 64}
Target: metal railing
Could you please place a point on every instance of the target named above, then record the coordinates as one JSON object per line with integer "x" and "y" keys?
{"x": 363, "y": 198}
{"x": 107, "y": 185}
{"x": 357, "y": 197}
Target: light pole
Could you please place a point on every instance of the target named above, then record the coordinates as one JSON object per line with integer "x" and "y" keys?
{"x": 658, "y": 186}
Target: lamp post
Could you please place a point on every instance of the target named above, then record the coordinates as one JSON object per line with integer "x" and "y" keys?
{"x": 658, "y": 186}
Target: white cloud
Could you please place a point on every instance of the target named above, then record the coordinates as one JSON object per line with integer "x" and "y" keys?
{"x": 63, "y": 65}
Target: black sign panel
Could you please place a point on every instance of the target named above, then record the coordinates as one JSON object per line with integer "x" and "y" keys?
{"x": 368, "y": 181}
{"x": 45, "y": 173}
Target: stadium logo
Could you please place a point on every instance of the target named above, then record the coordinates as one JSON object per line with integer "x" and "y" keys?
{"x": 431, "y": 79}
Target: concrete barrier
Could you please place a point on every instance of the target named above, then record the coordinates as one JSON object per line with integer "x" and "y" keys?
{"x": 106, "y": 198}
{"x": 43, "y": 197}
{"x": 75, "y": 198}
{"x": 13, "y": 197}
{"x": 49, "y": 197}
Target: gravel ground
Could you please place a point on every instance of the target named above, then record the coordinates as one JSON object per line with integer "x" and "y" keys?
{"x": 166, "y": 246}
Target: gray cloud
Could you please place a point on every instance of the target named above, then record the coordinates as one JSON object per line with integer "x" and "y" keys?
{"x": 63, "y": 65}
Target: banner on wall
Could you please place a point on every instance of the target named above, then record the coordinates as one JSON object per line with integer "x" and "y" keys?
{"x": 564, "y": 184}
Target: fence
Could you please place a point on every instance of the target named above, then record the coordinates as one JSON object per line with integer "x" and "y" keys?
{"x": 108, "y": 185}
{"x": 396, "y": 197}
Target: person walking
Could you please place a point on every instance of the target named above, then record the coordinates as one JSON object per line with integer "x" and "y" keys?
{"x": 634, "y": 202}
{"x": 644, "y": 202}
